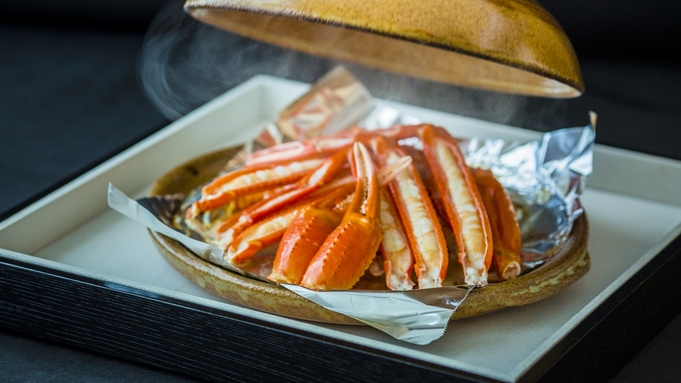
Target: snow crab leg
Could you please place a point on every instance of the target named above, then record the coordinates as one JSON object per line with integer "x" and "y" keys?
{"x": 505, "y": 228}
{"x": 463, "y": 205}
{"x": 398, "y": 259}
{"x": 296, "y": 150}
{"x": 418, "y": 216}
{"x": 287, "y": 195}
{"x": 250, "y": 179}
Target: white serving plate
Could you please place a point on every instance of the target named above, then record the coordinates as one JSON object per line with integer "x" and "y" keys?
{"x": 631, "y": 206}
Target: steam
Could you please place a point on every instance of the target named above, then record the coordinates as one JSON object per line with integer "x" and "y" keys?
{"x": 185, "y": 63}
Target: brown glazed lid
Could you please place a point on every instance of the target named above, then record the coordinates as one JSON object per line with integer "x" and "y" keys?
{"x": 512, "y": 46}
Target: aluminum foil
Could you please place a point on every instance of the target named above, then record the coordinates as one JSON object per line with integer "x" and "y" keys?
{"x": 545, "y": 179}
{"x": 156, "y": 213}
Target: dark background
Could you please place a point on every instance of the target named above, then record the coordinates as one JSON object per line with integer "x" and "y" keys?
{"x": 70, "y": 98}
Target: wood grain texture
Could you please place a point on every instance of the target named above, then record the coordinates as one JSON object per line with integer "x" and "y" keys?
{"x": 608, "y": 338}
{"x": 190, "y": 339}
{"x": 215, "y": 345}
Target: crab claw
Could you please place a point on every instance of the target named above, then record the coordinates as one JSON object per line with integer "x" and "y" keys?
{"x": 271, "y": 229}
{"x": 348, "y": 251}
{"x": 301, "y": 242}
{"x": 309, "y": 229}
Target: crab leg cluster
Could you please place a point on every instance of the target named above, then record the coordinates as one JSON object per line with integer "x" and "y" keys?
{"x": 333, "y": 202}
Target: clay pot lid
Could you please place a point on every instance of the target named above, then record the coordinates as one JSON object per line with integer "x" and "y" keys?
{"x": 512, "y": 46}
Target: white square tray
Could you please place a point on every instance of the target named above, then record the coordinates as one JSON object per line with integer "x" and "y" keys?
{"x": 630, "y": 203}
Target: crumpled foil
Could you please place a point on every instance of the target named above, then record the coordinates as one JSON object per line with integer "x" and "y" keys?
{"x": 544, "y": 178}
{"x": 156, "y": 214}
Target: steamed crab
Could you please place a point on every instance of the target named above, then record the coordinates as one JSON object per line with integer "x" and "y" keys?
{"x": 333, "y": 202}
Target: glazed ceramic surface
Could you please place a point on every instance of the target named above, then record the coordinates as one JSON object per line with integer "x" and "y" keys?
{"x": 511, "y": 46}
